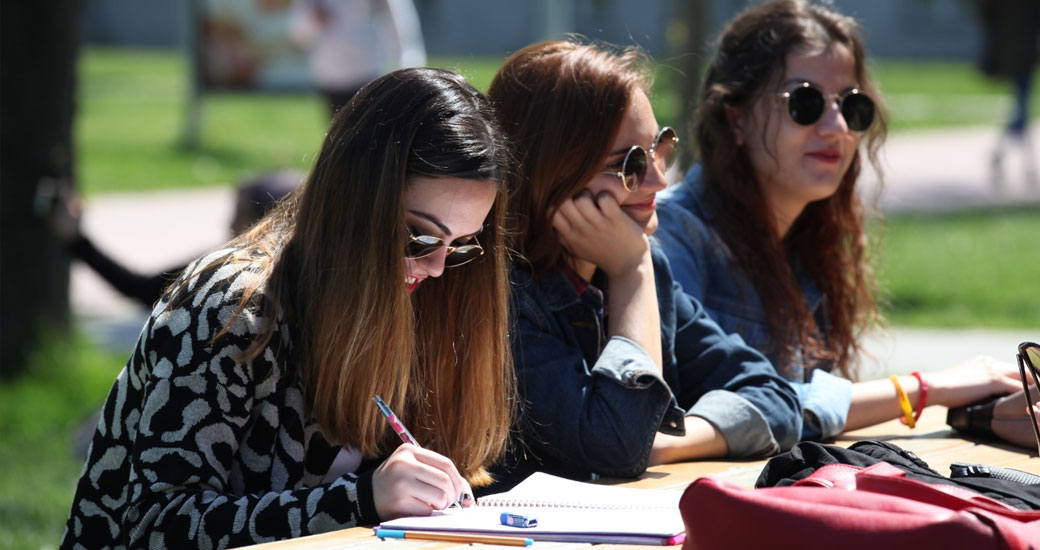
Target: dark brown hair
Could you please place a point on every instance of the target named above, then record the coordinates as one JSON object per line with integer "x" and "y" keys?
{"x": 828, "y": 238}
{"x": 562, "y": 103}
{"x": 331, "y": 258}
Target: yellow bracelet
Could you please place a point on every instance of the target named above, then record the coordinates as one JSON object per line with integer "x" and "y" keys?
{"x": 904, "y": 402}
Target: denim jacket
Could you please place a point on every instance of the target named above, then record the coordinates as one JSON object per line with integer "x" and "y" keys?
{"x": 701, "y": 264}
{"x": 592, "y": 405}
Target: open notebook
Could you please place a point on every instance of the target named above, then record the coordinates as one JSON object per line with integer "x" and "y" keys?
{"x": 567, "y": 511}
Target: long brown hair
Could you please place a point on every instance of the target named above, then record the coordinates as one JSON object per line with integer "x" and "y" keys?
{"x": 562, "y": 103}
{"x": 331, "y": 260}
{"x": 828, "y": 238}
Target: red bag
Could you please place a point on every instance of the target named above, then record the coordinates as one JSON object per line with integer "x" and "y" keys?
{"x": 876, "y": 508}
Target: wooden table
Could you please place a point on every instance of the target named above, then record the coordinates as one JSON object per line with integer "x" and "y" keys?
{"x": 932, "y": 440}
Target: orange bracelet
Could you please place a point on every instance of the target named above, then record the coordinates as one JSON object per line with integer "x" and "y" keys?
{"x": 904, "y": 402}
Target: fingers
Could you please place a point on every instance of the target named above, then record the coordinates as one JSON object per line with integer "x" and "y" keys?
{"x": 416, "y": 481}
{"x": 442, "y": 466}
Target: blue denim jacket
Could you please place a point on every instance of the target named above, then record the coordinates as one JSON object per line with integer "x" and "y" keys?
{"x": 701, "y": 264}
{"x": 593, "y": 407}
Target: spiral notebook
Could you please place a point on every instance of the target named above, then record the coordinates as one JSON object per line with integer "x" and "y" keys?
{"x": 567, "y": 511}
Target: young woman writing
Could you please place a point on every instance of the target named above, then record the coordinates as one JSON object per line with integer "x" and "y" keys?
{"x": 246, "y": 413}
{"x": 768, "y": 230}
{"x": 617, "y": 368}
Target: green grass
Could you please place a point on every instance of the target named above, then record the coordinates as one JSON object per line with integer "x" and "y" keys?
{"x": 133, "y": 104}
{"x": 38, "y": 413}
{"x": 944, "y": 93}
{"x": 131, "y": 126}
{"x": 977, "y": 269}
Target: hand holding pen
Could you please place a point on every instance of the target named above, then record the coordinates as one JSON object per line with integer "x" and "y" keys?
{"x": 413, "y": 480}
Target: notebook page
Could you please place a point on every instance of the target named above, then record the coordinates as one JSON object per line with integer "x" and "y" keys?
{"x": 545, "y": 490}
{"x": 566, "y": 510}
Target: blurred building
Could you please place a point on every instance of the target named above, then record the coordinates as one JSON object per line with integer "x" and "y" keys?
{"x": 894, "y": 28}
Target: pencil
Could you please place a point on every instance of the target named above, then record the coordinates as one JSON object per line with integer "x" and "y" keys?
{"x": 453, "y": 537}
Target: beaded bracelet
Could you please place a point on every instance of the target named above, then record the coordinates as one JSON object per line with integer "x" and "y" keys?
{"x": 904, "y": 402}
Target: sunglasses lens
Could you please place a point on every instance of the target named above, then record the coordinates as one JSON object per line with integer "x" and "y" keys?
{"x": 463, "y": 255}
{"x": 421, "y": 246}
{"x": 1033, "y": 356}
{"x": 858, "y": 110}
{"x": 664, "y": 149}
{"x": 634, "y": 167}
{"x": 805, "y": 105}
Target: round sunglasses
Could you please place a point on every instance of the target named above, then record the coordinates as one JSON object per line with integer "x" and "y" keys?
{"x": 806, "y": 104}
{"x": 420, "y": 246}
{"x": 1029, "y": 362}
{"x": 633, "y": 168}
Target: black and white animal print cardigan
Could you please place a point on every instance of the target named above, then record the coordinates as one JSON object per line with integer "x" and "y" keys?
{"x": 196, "y": 450}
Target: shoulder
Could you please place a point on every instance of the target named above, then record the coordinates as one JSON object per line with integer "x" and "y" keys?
{"x": 683, "y": 196}
{"x": 682, "y": 220}
{"x": 217, "y": 303}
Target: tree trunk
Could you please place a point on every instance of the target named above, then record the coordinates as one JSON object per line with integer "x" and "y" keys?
{"x": 37, "y": 63}
{"x": 694, "y": 52}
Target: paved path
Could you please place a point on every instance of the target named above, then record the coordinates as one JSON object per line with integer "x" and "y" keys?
{"x": 948, "y": 169}
{"x": 942, "y": 169}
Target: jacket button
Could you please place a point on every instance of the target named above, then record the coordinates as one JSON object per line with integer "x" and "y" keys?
{"x": 673, "y": 424}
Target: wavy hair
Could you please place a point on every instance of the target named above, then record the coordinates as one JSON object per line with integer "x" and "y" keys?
{"x": 562, "y": 103}
{"x": 331, "y": 260}
{"x": 828, "y": 238}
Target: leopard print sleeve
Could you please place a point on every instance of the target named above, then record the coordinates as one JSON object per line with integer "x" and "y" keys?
{"x": 197, "y": 449}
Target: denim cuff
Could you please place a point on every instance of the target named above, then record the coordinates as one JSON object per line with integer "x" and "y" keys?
{"x": 742, "y": 425}
{"x": 628, "y": 364}
{"x": 826, "y": 399}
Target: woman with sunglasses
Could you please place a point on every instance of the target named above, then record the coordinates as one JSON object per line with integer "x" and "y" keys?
{"x": 617, "y": 369}
{"x": 768, "y": 230}
{"x": 246, "y": 413}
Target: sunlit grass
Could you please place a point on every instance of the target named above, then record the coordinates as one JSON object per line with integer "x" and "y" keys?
{"x": 133, "y": 107}
{"x": 967, "y": 269}
{"x": 38, "y": 414}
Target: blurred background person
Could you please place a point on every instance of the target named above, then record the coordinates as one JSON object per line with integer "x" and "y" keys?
{"x": 1010, "y": 40}
{"x": 254, "y": 196}
{"x": 352, "y": 42}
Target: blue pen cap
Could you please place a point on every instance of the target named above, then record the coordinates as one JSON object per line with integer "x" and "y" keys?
{"x": 517, "y": 520}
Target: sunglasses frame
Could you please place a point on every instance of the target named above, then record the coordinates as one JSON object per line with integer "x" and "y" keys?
{"x": 648, "y": 156}
{"x": 1024, "y": 364}
{"x": 436, "y": 243}
{"x": 839, "y": 96}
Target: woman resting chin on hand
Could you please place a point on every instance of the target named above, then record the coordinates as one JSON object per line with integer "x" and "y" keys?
{"x": 617, "y": 368}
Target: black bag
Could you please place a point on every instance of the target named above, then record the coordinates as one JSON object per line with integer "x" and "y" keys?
{"x": 801, "y": 461}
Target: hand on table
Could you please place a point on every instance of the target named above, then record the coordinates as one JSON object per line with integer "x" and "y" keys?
{"x": 1011, "y": 421}
{"x": 972, "y": 380}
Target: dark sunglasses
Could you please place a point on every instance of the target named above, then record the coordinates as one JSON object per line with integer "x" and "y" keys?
{"x": 806, "y": 104}
{"x": 633, "y": 168}
{"x": 420, "y": 246}
{"x": 1029, "y": 360}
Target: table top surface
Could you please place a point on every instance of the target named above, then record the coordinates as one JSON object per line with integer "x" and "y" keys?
{"x": 933, "y": 441}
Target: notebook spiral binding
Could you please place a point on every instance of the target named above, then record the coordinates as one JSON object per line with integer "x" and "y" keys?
{"x": 529, "y": 503}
